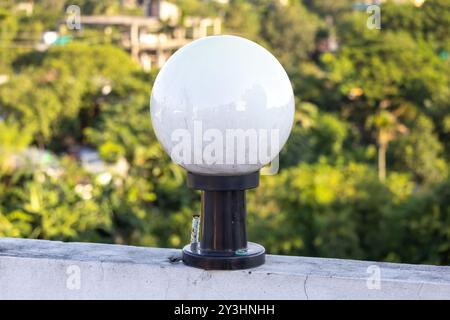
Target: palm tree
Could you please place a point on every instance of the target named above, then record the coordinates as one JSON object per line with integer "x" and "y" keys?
{"x": 388, "y": 128}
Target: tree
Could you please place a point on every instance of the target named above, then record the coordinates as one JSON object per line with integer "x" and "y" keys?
{"x": 51, "y": 90}
{"x": 437, "y": 20}
{"x": 404, "y": 17}
{"x": 331, "y": 8}
{"x": 387, "y": 128}
{"x": 8, "y": 30}
{"x": 315, "y": 135}
{"x": 379, "y": 87}
{"x": 199, "y": 8}
{"x": 381, "y": 67}
{"x": 243, "y": 19}
{"x": 323, "y": 210}
{"x": 419, "y": 227}
{"x": 420, "y": 152}
{"x": 290, "y": 32}
{"x": 47, "y": 206}
{"x": 13, "y": 140}
{"x": 431, "y": 21}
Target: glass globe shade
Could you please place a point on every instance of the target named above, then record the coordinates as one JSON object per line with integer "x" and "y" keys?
{"x": 222, "y": 105}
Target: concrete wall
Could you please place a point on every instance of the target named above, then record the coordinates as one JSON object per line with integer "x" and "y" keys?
{"x": 36, "y": 269}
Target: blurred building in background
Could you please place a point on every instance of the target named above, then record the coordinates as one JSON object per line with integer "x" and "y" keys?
{"x": 151, "y": 38}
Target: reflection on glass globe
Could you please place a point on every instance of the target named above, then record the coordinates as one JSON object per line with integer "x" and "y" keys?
{"x": 222, "y": 105}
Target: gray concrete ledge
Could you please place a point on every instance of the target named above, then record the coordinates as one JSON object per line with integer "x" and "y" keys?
{"x": 37, "y": 269}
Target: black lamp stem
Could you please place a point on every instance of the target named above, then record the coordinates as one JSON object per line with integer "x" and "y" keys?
{"x": 223, "y": 221}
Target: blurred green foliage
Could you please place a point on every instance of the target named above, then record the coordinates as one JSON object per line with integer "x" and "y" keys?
{"x": 364, "y": 175}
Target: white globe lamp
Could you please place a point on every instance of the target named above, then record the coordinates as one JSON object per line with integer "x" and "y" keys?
{"x": 222, "y": 107}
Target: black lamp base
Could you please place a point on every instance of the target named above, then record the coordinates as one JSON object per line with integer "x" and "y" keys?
{"x": 223, "y": 244}
{"x": 252, "y": 257}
